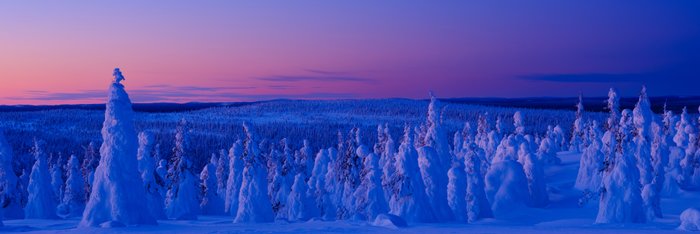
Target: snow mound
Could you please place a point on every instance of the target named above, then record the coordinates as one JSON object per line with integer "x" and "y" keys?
{"x": 389, "y": 221}
{"x": 690, "y": 220}
{"x": 112, "y": 224}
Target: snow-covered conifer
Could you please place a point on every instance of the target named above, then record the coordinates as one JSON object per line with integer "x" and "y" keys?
{"x": 592, "y": 161}
{"x": 477, "y": 206}
{"x": 73, "y": 202}
{"x": 620, "y": 199}
{"x": 57, "y": 182}
{"x": 578, "y": 131}
{"x": 408, "y": 199}
{"x": 317, "y": 186}
{"x": 535, "y": 177}
{"x": 235, "y": 178}
{"x": 113, "y": 198}
{"x": 222, "y": 170}
{"x": 182, "y": 199}
{"x": 457, "y": 190}
{"x": 211, "y": 203}
{"x": 253, "y": 202}
{"x": 300, "y": 206}
{"x": 370, "y": 200}
{"x": 41, "y": 203}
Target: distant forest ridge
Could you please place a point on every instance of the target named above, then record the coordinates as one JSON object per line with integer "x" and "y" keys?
{"x": 594, "y": 104}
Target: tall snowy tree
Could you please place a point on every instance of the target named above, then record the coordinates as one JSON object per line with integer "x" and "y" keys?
{"x": 620, "y": 199}
{"x": 317, "y": 186}
{"x": 436, "y": 137}
{"x": 222, "y": 171}
{"x": 506, "y": 182}
{"x": 147, "y": 168}
{"x": 42, "y": 200}
{"x": 408, "y": 199}
{"x": 235, "y": 178}
{"x": 73, "y": 202}
{"x": 478, "y": 206}
{"x": 57, "y": 182}
{"x": 457, "y": 190}
{"x": 578, "y": 131}
{"x": 182, "y": 199}
{"x": 211, "y": 203}
{"x": 253, "y": 202}
{"x": 370, "y": 200}
{"x": 301, "y": 207}
{"x": 534, "y": 172}
{"x": 10, "y": 186}
{"x": 91, "y": 160}
{"x": 113, "y": 200}
{"x": 592, "y": 162}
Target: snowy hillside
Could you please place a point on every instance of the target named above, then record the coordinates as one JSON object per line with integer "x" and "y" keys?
{"x": 350, "y": 166}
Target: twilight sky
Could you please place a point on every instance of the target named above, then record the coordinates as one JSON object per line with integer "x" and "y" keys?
{"x": 55, "y": 52}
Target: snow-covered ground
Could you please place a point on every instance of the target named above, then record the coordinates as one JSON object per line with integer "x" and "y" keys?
{"x": 562, "y": 215}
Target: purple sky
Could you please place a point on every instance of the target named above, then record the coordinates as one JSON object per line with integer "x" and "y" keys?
{"x": 178, "y": 51}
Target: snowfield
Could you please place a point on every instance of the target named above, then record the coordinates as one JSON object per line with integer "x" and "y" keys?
{"x": 519, "y": 170}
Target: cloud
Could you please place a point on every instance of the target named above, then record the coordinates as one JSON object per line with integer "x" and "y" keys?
{"x": 167, "y": 93}
{"x": 592, "y": 77}
{"x": 324, "y": 78}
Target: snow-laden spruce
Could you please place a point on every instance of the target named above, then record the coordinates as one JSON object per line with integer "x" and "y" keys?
{"x": 57, "y": 182}
{"x": 300, "y": 206}
{"x": 10, "y": 185}
{"x": 478, "y": 206}
{"x": 620, "y": 199}
{"x": 369, "y": 196}
{"x": 90, "y": 161}
{"x": 73, "y": 202}
{"x": 253, "y": 202}
{"x": 534, "y": 172}
{"x": 578, "y": 130}
{"x": 182, "y": 199}
{"x": 211, "y": 204}
{"x": 115, "y": 198}
{"x": 457, "y": 190}
{"x": 222, "y": 171}
{"x": 317, "y": 186}
{"x": 41, "y": 203}
{"x": 592, "y": 162}
{"x": 408, "y": 199}
{"x": 147, "y": 167}
{"x": 506, "y": 182}
{"x": 235, "y": 178}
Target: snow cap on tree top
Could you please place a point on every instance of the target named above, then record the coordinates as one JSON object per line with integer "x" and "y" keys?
{"x": 118, "y": 77}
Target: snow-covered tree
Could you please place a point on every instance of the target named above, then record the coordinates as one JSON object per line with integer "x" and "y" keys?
{"x": 408, "y": 199}
{"x": 182, "y": 199}
{"x": 535, "y": 177}
{"x": 477, "y": 206}
{"x": 659, "y": 159}
{"x": 370, "y": 200}
{"x": 457, "y": 190}
{"x": 90, "y": 162}
{"x": 300, "y": 206}
{"x": 253, "y": 203}
{"x": 592, "y": 161}
{"x": 578, "y": 130}
{"x": 73, "y": 202}
{"x": 10, "y": 186}
{"x": 113, "y": 198}
{"x": 436, "y": 137}
{"x": 235, "y": 178}
{"x": 42, "y": 200}
{"x": 305, "y": 161}
{"x": 519, "y": 123}
{"x": 211, "y": 203}
{"x": 435, "y": 180}
{"x": 222, "y": 170}
{"x": 642, "y": 118}
{"x": 620, "y": 198}
{"x": 57, "y": 182}
{"x": 146, "y": 164}
{"x": 162, "y": 175}
{"x": 317, "y": 186}
{"x": 547, "y": 151}
{"x": 506, "y": 182}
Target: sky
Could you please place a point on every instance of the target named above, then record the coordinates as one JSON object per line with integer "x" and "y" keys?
{"x": 63, "y": 52}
